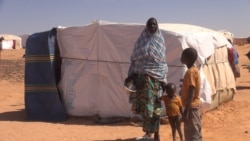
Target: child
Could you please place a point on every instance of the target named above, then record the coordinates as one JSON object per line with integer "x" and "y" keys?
{"x": 190, "y": 96}
{"x": 173, "y": 109}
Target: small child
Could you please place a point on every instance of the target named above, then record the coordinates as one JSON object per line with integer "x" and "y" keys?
{"x": 173, "y": 109}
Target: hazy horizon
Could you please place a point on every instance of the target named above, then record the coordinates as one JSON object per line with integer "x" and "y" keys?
{"x": 29, "y": 16}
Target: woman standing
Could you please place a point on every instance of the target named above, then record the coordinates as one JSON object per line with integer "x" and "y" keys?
{"x": 149, "y": 70}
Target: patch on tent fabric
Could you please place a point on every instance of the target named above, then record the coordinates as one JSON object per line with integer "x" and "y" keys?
{"x": 70, "y": 95}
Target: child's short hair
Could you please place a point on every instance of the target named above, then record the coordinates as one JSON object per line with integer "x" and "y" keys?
{"x": 170, "y": 86}
{"x": 191, "y": 54}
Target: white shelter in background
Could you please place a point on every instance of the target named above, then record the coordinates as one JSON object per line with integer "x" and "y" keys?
{"x": 11, "y": 41}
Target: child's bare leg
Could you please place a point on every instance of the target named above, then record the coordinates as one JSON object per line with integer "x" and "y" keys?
{"x": 173, "y": 127}
{"x": 178, "y": 127}
{"x": 156, "y": 136}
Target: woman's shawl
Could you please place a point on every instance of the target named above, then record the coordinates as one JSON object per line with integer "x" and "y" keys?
{"x": 148, "y": 56}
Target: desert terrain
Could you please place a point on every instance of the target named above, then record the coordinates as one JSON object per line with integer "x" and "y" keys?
{"x": 229, "y": 122}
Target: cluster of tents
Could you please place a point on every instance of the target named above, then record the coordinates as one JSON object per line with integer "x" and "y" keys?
{"x": 80, "y": 70}
{"x": 9, "y": 41}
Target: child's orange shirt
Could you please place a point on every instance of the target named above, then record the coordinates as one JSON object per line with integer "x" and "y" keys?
{"x": 172, "y": 105}
{"x": 191, "y": 78}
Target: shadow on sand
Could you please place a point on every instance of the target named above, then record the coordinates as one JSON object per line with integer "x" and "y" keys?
{"x": 130, "y": 139}
{"x": 20, "y": 115}
{"x": 242, "y": 87}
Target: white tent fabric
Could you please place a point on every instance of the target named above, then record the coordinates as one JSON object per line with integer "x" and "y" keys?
{"x": 11, "y": 41}
{"x": 7, "y": 44}
{"x": 228, "y": 35}
{"x": 96, "y": 59}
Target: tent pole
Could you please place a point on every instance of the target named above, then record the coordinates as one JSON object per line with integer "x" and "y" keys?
{"x": 1, "y": 47}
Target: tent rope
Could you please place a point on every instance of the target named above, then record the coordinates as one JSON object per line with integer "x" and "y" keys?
{"x": 114, "y": 61}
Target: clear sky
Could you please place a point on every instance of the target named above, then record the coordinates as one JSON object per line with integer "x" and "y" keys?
{"x": 30, "y": 16}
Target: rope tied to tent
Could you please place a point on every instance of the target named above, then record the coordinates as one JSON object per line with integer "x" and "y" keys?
{"x": 106, "y": 61}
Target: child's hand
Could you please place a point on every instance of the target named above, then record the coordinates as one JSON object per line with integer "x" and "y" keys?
{"x": 179, "y": 118}
{"x": 130, "y": 78}
{"x": 185, "y": 115}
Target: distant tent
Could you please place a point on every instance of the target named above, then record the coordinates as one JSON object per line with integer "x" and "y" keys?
{"x": 11, "y": 41}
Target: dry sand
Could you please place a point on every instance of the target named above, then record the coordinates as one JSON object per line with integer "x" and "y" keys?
{"x": 229, "y": 122}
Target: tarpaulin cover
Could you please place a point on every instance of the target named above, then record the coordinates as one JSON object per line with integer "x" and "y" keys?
{"x": 96, "y": 59}
{"x": 42, "y": 98}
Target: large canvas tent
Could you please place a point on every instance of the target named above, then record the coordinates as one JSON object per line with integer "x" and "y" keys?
{"x": 96, "y": 58}
{"x": 42, "y": 74}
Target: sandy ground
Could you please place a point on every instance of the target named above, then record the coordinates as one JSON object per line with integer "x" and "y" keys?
{"x": 229, "y": 122}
